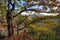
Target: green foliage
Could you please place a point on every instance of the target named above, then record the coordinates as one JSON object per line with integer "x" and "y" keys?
{"x": 37, "y": 27}
{"x": 43, "y": 30}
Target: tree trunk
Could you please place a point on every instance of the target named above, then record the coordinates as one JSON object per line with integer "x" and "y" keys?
{"x": 9, "y": 20}
{"x": 9, "y": 23}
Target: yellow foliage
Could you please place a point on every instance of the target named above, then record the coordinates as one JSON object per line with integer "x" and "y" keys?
{"x": 30, "y": 18}
{"x": 50, "y": 24}
{"x": 46, "y": 27}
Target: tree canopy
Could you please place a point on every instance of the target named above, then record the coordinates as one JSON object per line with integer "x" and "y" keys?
{"x": 38, "y": 27}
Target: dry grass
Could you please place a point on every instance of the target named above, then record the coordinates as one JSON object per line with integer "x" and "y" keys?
{"x": 22, "y": 36}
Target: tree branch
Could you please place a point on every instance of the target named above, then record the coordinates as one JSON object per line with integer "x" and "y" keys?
{"x": 23, "y": 20}
{"x": 37, "y": 20}
{"x": 30, "y": 5}
{"x": 23, "y": 11}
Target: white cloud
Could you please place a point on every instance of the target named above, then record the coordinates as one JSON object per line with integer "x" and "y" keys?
{"x": 54, "y": 8}
{"x": 40, "y": 14}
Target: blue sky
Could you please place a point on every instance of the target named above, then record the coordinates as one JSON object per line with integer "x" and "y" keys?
{"x": 22, "y": 3}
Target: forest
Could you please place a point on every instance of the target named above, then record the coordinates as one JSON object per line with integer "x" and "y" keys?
{"x": 29, "y": 19}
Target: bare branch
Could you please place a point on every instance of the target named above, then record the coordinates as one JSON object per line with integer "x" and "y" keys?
{"x": 23, "y": 20}
{"x": 23, "y": 11}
